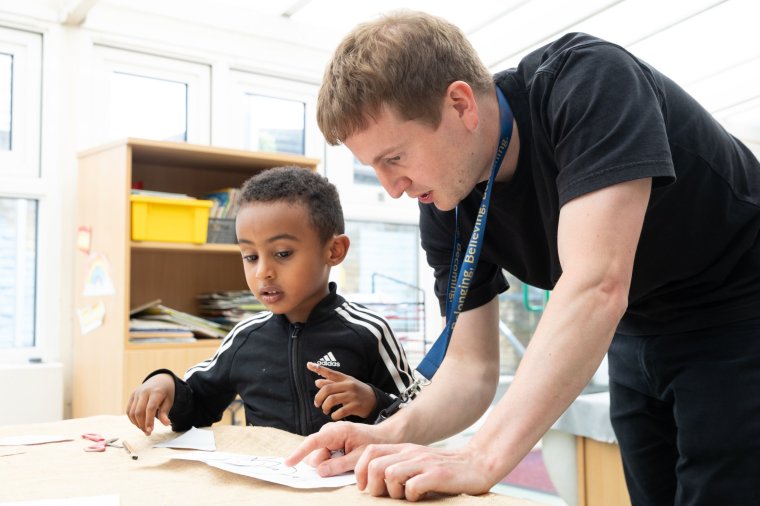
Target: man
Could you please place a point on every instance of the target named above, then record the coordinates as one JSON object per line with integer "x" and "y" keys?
{"x": 620, "y": 194}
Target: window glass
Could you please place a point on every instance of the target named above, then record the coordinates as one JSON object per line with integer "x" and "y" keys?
{"x": 381, "y": 273}
{"x": 520, "y": 308}
{"x": 381, "y": 249}
{"x": 148, "y": 107}
{"x": 274, "y": 124}
{"x": 18, "y": 277}
{"x": 364, "y": 174}
{"x": 6, "y": 99}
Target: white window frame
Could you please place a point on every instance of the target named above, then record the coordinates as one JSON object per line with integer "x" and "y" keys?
{"x": 229, "y": 130}
{"x": 197, "y": 77}
{"x": 23, "y": 160}
{"x": 22, "y": 177}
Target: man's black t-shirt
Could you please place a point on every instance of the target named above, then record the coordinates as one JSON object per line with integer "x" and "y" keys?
{"x": 591, "y": 115}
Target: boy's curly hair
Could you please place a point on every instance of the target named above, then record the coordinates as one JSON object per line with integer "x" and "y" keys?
{"x": 296, "y": 185}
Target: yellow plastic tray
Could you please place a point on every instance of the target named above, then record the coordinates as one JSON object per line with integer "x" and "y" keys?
{"x": 169, "y": 219}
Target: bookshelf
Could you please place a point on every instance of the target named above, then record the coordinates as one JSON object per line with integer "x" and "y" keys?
{"x": 107, "y": 367}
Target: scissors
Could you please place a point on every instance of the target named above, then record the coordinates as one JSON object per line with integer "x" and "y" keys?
{"x": 100, "y": 442}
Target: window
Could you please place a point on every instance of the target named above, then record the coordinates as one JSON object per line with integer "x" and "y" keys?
{"x": 18, "y": 260}
{"x": 369, "y": 277}
{"x": 6, "y": 98}
{"x": 20, "y": 88}
{"x": 148, "y": 107}
{"x": 270, "y": 114}
{"x": 150, "y": 97}
{"x": 274, "y": 124}
{"x": 368, "y": 266}
{"x": 22, "y": 188}
{"x": 364, "y": 174}
{"x": 520, "y": 308}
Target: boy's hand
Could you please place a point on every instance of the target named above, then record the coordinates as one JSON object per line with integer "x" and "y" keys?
{"x": 152, "y": 399}
{"x": 354, "y": 397}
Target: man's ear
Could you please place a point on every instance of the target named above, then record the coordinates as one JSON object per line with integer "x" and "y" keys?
{"x": 461, "y": 98}
{"x": 337, "y": 249}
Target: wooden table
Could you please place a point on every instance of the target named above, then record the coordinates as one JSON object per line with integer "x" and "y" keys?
{"x": 63, "y": 470}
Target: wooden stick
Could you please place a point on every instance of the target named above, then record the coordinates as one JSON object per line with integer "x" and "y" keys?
{"x": 129, "y": 450}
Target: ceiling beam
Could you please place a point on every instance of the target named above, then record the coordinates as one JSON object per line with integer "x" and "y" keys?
{"x": 75, "y": 12}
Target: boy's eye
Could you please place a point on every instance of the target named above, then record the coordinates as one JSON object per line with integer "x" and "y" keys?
{"x": 283, "y": 254}
{"x": 250, "y": 258}
{"x": 393, "y": 160}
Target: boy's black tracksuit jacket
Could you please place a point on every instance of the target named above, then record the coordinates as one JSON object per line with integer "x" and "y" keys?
{"x": 263, "y": 360}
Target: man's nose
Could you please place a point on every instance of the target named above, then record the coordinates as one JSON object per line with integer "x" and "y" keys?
{"x": 393, "y": 183}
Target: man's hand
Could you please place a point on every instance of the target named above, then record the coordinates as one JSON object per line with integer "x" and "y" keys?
{"x": 349, "y": 437}
{"x": 402, "y": 471}
{"x": 337, "y": 389}
{"x": 152, "y": 399}
{"x": 409, "y": 471}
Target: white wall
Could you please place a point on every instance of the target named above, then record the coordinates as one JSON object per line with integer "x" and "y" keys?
{"x": 31, "y": 393}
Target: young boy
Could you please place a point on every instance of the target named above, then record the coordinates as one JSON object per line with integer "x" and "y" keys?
{"x": 290, "y": 231}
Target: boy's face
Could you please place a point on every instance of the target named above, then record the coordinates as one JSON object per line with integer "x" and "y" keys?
{"x": 285, "y": 263}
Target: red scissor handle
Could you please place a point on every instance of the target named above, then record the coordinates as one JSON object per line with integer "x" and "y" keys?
{"x": 100, "y": 442}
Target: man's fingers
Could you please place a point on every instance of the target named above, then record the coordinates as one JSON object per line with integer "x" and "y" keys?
{"x": 417, "y": 487}
{"x": 317, "y": 456}
{"x": 372, "y": 469}
{"x": 395, "y": 489}
{"x": 326, "y": 438}
{"x": 339, "y": 464}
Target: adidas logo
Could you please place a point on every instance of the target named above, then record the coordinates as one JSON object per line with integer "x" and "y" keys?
{"x": 328, "y": 360}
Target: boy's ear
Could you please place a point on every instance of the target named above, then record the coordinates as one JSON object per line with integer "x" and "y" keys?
{"x": 338, "y": 248}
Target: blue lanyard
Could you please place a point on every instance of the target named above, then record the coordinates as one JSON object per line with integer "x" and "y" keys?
{"x": 463, "y": 267}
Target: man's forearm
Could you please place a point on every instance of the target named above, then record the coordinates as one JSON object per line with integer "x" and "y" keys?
{"x": 463, "y": 387}
{"x": 565, "y": 351}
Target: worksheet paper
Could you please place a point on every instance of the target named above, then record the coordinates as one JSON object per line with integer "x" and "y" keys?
{"x": 269, "y": 469}
{"x": 194, "y": 439}
{"x": 32, "y": 439}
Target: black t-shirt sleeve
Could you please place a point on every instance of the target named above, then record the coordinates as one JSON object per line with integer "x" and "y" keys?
{"x": 437, "y": 238}
{"x": 604, "y": 117}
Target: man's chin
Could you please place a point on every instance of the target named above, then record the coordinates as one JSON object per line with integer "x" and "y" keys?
{"x": 443, "y": 206}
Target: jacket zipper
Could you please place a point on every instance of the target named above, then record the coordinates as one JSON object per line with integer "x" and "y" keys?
{"x": 302, "y": 404}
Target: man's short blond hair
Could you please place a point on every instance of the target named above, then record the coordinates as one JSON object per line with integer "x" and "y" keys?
{"x": 404, "y": 60}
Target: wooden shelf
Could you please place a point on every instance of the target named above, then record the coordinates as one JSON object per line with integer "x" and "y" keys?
{"x": 185, "y": 247}
{"x": 207, "y": 344}
{"x": 107, "y": 366}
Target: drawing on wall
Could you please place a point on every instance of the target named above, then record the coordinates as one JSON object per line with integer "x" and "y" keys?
{"x": 97, "y": 279}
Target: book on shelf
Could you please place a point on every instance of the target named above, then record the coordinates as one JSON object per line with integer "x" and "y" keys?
{"x": 229, "y": 307}
{"x": 154, "y": 311}
{"x": 146, "y": 330}
{"x": 165, "y": 195}
{"x": 226, "y": 203}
